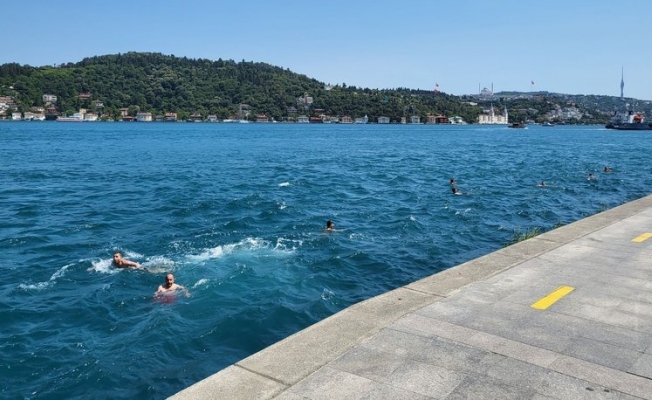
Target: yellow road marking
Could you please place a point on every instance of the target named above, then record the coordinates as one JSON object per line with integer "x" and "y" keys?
{"x": 552, "y": 298}
{"x": 642, "y": 238}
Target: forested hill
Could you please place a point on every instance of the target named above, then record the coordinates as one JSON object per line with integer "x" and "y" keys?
{"x": 157, "y": 83}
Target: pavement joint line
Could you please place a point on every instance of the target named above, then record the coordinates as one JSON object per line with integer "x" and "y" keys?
{"x": 552, "y": 298}
{"x": 642, "y": 238}
{"x": 287, "y": 386}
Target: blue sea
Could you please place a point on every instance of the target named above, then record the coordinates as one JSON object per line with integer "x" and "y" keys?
{"x": 237, "y": 213}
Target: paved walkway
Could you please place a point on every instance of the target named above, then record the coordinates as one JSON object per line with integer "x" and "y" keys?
{"x": 565, "y": 315}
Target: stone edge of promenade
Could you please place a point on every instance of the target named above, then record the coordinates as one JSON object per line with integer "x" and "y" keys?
{"x": 274, "y": 369}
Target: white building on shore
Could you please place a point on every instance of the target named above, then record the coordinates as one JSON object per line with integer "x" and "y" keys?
{"x": 492, "y": 118}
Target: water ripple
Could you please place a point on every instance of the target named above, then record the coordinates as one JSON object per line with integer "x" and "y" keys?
{"x": 237, "y": 213}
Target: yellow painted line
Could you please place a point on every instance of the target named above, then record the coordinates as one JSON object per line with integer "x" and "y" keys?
{"x": 642, "y": 238}
{"x": 552, "y": 298}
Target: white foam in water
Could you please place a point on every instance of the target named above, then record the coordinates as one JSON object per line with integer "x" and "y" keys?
{"x": 287, "y": 245}
{"x": 200, "y": 282}
{"x": 246, "y": 245}
{"x": 215, "y": 252}
{"x": 159, "y": 264}
{"x": 327, "y": 294}
{"x": 103, "y": 266}
{"x": 131, "y": 254}
{"x": 42, "y": 285}
{"x": 284, "y": 184}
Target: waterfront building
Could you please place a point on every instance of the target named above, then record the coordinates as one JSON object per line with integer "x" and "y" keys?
{"x": 262, "y": 118}
{"x": 144, "y": 117}
{"x": 362, "y": 120}
{"x": 383, "y": 120}
{"x": 211, "y": 118}
{"x": 91, "y": 117}
{"x": 438, "y": 119}
{"x": 302, "y": 119}
{"x": 346, "y": 120}
{"x": 403, "y": 120}
{"x": 492, "y": 119}
{"x": 415, "y": 119}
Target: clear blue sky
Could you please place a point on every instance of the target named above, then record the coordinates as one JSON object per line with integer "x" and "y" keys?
{"x": 567, "y": 46}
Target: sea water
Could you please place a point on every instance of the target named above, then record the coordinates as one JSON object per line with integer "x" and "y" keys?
{"x": 237, "y": 213}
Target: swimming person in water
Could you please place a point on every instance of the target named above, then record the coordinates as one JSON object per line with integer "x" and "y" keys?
{"x": 590, "y": 177}
{"x": 170, "y": 287}
{"x": 330, "y": 225}
{"x": 120, "y": 262}
{"x": 453, "y": 181}
{"x": 456, "y": 191}
{"x": 542, "y": 184}
{"x": 607, "y": 169}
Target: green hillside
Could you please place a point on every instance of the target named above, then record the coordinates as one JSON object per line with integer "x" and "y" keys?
{"x": 157, "y": 83}
{"x": 152, "y": 82}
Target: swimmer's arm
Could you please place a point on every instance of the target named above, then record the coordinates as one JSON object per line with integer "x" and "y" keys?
{"x": 183, "y": 289}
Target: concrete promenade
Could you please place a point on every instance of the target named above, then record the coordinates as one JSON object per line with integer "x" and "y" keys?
{"x": 564, "y": 315}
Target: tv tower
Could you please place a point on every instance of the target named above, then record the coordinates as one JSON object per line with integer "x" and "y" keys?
{"x": 622, "y": 83}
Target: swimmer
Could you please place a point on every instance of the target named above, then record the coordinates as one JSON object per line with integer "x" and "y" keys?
{"x": 591, "y": 177}
{"x": 169, "y": 286}
{"x": 330, "y": 225}
{"x": 120, "y": 262}
{"x": 453, "y": 181}
{"x": 542, "y": 184}
{"x": 606, "y": 169}
{"x": 456, "y": 191}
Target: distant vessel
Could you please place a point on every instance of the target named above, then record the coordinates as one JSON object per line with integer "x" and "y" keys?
{"x": 51, "y": 114}
{"x": 547, "y": 124}
{"x": 76, "y": 117}
{"x": 628, "y": 122}
{"x": 520, "y": 125}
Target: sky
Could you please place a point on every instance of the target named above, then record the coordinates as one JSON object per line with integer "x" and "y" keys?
{"x": 563, "y": 46}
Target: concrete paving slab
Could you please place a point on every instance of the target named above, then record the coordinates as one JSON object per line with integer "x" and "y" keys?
{"x": 605, "y": 376}
{"x": 562, "y": 386}
{"x": 232, "y": 383}
{"x": 368, "y": 362}
{"x": 328, "y": 383}
{"x": 484, "y": 387}
{"x": 602, "y": 354}
{"x": 425, "y": 379}
{"x": 642, "y": 366}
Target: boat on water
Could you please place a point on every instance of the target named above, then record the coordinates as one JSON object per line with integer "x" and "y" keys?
{"x": 76, "y": 117}
{"x": 629, "y": 122}
{"x": 547, "y": 124}
{"x": 520, "y": 125}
